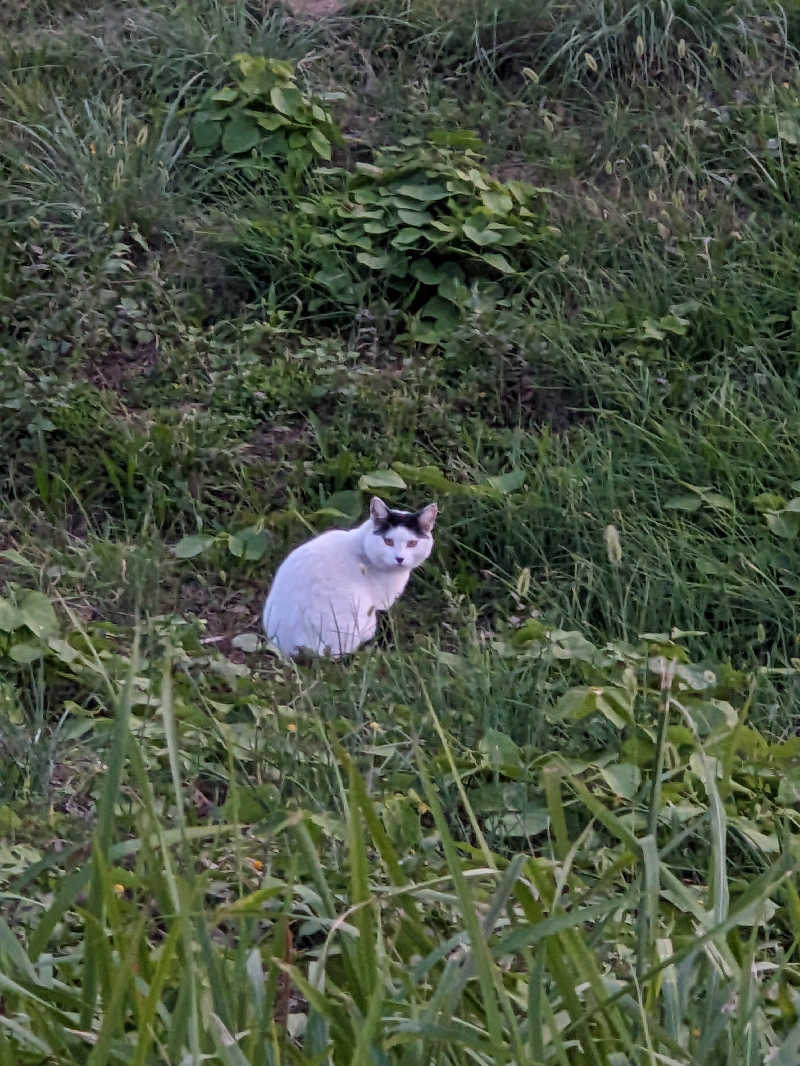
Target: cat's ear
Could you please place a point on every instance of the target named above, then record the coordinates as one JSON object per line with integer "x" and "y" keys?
{"x": 378, "y": 511}
{"x": 427, "y": 517}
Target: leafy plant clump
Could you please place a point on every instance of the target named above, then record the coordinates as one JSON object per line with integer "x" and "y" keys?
{"x": 426, "y": 229}
{"x": 264, "y": 115}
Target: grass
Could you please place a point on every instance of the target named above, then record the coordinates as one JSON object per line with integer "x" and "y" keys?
{"x": 551, "y": 815}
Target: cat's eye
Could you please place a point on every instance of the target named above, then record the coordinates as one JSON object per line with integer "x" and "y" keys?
{"x": 411, "y": 544}
{"x": 389, "y": 541}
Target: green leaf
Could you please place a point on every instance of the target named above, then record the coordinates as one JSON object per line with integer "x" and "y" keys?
{"x": 226, "y": 95}
{"x": 374, "y": 262}
{"x": 188, "y": 547}
{"x": 499, "y": 262}
{"x": 768, "y": 501}
{"x": 425, "y": 193}
{"x": 205, "y": 134}
{"x": 500, "y": 752}
{"x": 408, "y": 235}
{"x": 270, "y": 123}
{"x": 788, "y": 129}
{"x": 347, "y": 502}
{"x": 784, "y": 523}
{"x": 381, "y": 479}
{"x": 320, "y": 143}
{"x": 482, "y": 237}
{"x": 249, "y": 544}
{"x": 455, "y": 291}
{"x": 9, "y": 616}
{"x": 528, "y": 823}
{"x": 414, "y": 218}
{"x": 240, "y": 135}
{"x": 623, "y": 778}
{"x": 684, "y": 503}
{"x": 36, "y": 612}
{"x": 25, "y": 653}
{"x": 427, "y": 272}
{"x": 509, "y": 482}
{"x": 17, "y": 558}
{"x": 673, "y": 324}
{"x": 715, "y": 500}
{"x": 287, "y": 100}
{"x": 497, "y": 200}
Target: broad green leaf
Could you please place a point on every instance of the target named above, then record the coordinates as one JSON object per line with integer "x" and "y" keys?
{"x": 288, "y": 101}
{"x": 206, "y": 134}
{"x": 374, "y": 262}
{"x": 509, "y": 482}
{"x": 454, "y": 291}
{"x": 408, "y": 235}
{"x": 381, "y": 479}
{"x": 414, "y": 218}
{"x": 788, "y": 129}
{"x": 249, "y": 544}
{"x": 714, "y": 499}
{"x": 270, "y": 122}
{"x": 188, "y": 547}
{"x": 623, "y": 778}
{"x": 499, "y": 751}
{"x": 673, "y": 324}
{"x": 240, "y": 135}
{"x": 683, "y": 503}
{"x": 348, "y": 502}
{"x": 17, "y": 558}
{"x": 784, "y": 523}
{"x": 25, "y": 653}
{"x": 427, "y": 272}
{"x": 10, "y": 618}
{"x": 499, "y": 262}
{"x": 36, "y": 612}
{"x": 320, "y": 143}
{"x": 226, "y": 95}
{"x": 424, "y": 193}
{"x": 482, "y": 237}
{"x": 497, "y": 201}
{"x": 528, "y": 823}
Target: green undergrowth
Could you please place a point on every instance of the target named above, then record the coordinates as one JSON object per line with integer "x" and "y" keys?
{"x": 536, "y": 264}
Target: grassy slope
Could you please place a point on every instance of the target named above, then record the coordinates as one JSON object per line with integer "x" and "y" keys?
{"x": 157, "y": 382}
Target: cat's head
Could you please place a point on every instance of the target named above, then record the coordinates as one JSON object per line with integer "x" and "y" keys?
{"x": 398, "y": 539}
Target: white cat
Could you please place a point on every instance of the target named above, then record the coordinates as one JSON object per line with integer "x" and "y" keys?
{"x": 326, "y": 593}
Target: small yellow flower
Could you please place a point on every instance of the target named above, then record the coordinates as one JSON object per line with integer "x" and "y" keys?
{"x": 292, "y": 727}
{"x": 119, "y": 889}
{"x": 256, "y": 864}
{"x": 92, "y": 149}
{"x": 375, "y": 727}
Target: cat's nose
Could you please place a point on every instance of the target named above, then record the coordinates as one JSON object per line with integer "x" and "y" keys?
{"x": 399, "y": 559}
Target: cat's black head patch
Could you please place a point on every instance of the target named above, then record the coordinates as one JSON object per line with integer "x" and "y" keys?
{"x": 401, "y": 518}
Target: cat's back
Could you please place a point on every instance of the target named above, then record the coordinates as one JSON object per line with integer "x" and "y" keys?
{"x": 316, "y": 583}
{"x": 315, "y": 557}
